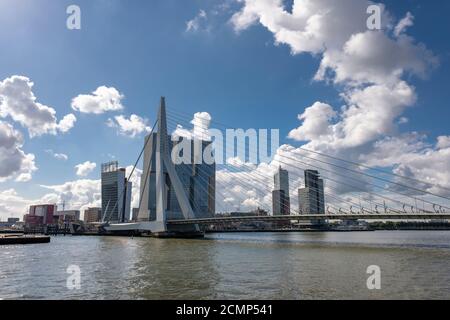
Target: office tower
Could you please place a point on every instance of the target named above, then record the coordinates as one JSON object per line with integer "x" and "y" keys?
{"x": 198, "y": 181}
{"x": 92, "y": 215}
{"x": 311, "y": 198}
{"x": 280, "y": 194}
{"x": 281, "y": 180}
{"x": 116, "y": 193}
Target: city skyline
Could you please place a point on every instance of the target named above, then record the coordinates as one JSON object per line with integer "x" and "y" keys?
{"x": 80, "y": 110}
{"x": 230, "y": 157}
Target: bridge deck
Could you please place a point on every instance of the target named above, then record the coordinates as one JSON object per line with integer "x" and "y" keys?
{"x": 366, "y": 216}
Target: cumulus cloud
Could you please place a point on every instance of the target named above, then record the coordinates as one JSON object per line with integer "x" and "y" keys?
{"x": 67, "y": 123}
{"x": 312, "y": 26}
{"x": 316, "y": 122}
{"x": 14, "y": 162}
{"x": 85, "y": 168}
{"x": 200, "y": 128}
{"x": 101, "y": 100}
{"x": 375, "y": 58}
{"x": 12, "y": 204}
{"x": 338, "y": 32}
{"x": 443, "y": 142}
{"x": 77, "y": 194}
{"x": 413, "y": 157}
{"x": 130, "y": 127}
{"x": 370, "y": 69}
{"x": 18, "y": 102}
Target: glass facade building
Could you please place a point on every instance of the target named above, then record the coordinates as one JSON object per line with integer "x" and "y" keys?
{"x": 197, "y": 179}
{"x": 311, "y": 198}
{"x": 280, "y": 195}
{"x": 116, "y": 193}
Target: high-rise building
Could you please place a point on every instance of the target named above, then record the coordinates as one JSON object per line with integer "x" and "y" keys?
{"x": 198, "y": 179}
{"x": 280, "y": 195}
{"x": 93, "y": 215}
{"x": 281, "y": 180}
{"x": 116, "y": 193}
{"x": 311, "y": 198}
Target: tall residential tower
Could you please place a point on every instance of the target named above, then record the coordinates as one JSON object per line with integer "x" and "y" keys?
{"x": 280, "y": 194}
{"x": 311, "y": 198}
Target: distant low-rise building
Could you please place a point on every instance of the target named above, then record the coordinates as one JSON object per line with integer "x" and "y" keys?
{"x": 93, "y": 215}
{"x": 13, "y": 220}
{"x": 40, "y": 215}
{"x": 257, "y": 212}
{"x": 67, "y": 216}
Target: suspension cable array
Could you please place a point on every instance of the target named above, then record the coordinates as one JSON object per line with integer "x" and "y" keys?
{"x": 375, "y": 189}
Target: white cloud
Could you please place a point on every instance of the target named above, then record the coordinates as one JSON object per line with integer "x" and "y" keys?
{"x": 403, "y": 24}
{"x": 85, "y": 168}
{"x": 14, "y": 162}
{"x": 412, "y": 157}
{"x": 443, "y": 142}
{"x": 195, "y": 23}
{"x": 337, "y": 32}
{"x": 131, "y": 127}
{"x": 313, "y": 26}
{"x": 136, "y": 185}
{"x": 18, "y": 102}
{"x": 101, "y": 100}
{"x": 67, "y": 123}
{"x": 370, "y": 68}
{"x": 375, "y": 58}
{"x": 59, "y": 156}
{"x": 77, "y": 194}
{"x": 200, "y": 129}
{"x": 316, "y": 120}
{"x": 12, "y": 205}
{"x": 403, "y": 120}
{"x": 238, "y": 163}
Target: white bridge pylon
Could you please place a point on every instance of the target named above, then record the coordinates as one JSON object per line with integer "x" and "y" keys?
{"x": 163, "y": 160}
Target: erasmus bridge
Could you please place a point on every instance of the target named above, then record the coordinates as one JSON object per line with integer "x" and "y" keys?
{"x": 376, "y": 194}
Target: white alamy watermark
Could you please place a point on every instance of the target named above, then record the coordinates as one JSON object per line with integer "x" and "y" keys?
{"x": 73, "y": 281}
{"x": 73, "y": 21}
{"x": 374, "y": 280}
{"x": 250, "y": 146}
{"x": 374, "y": 20}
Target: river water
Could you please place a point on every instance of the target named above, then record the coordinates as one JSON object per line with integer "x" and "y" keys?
{"x": 321, "y": 265}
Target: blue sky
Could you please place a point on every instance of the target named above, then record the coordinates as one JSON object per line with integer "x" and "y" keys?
{"x": 142, "y": 49}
